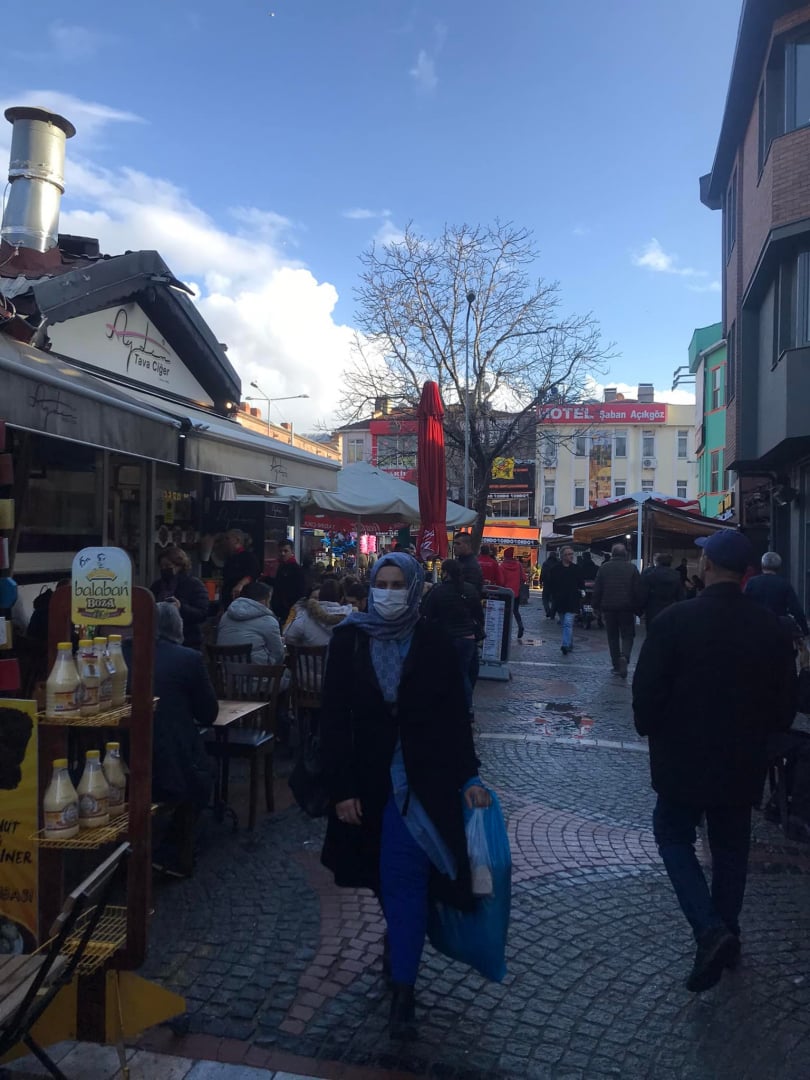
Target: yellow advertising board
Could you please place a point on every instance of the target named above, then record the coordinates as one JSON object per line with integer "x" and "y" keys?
{"x": 101, "y": 587}
{"x": 19, "y": 808}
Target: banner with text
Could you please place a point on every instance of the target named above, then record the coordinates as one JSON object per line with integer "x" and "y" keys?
{"x": 611, "y": 412}
{"x": 19, "y": 805}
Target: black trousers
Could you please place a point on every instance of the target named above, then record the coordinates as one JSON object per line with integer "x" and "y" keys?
{"x": 516, "y": 612}
{"x": 621, "y": 632}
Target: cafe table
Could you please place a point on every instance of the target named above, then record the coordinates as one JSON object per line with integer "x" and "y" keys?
{"x": 230, "y": 712}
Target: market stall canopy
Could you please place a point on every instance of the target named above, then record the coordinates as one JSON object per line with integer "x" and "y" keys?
{"x": 365, "y": 491}
{"x": 614, "y": 520}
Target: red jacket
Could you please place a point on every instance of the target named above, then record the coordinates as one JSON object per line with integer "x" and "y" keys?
{"x": 491, "y": 570}
{"x": 512, "y": 575}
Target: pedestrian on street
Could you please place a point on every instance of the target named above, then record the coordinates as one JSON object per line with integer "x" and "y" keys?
{"x": 660, "y": 587}
{"x": 513, "y": 576}
{"x": 176, "y": 585}
{"x": 289, "y": 584}
{"x": 566, "y": 596}
{"x": 397, "y": 744}
{"x": 775, "y": 592}
{"x": 455, "y": 606}
{"x": 490, "y": 567}
{"x": 470, "y": 568}
{"x": 617, "y": 597}
{"x": 683, "y": 571}
{"x": 550, "y": 564}
{"x": 713, "y": 680}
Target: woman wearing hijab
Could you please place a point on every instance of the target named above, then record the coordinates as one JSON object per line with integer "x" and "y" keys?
{"x": 397, "y": 747}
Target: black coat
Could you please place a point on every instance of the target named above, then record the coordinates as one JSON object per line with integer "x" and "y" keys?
{"x": 714, "y": 679}
{"x": 777, "y": 595}
{"x": 617, "y": 587}
{"x": 194, "y": 604}
{"x": 457, "y": 610}
{"x": 565, "y": 584}
{"x": 359, "y": 733}
{"x": 471, "y": 572}
{"x": 660, "y": 587}
{"x": 181, "y": 768}
{"x": 289, "y": 585}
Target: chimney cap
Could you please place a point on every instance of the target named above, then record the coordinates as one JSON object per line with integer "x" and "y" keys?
{"x": 34, "y": 112}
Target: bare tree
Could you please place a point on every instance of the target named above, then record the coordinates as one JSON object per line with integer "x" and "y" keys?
{"x": 412, "y": 319}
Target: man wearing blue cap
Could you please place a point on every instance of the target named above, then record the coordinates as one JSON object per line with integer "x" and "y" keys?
{"x": 715, "y": 677}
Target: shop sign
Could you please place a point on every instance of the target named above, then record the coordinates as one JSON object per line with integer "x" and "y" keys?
{"x": 19, "y": 808}
{"x": 613, "y": 412}
{"x": 123, "y": 340}
{"x": 394, "y": 427}
{"x": 101, "y": 587}
{"x": 511, "y": 477}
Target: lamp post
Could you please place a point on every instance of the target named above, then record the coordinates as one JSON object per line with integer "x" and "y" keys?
{"x": 263, "y": 397}
{"x": 470, "y": 301}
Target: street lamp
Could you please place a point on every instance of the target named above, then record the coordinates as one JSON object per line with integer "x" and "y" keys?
{"x": 263, "y": 397}
{"x": 470, "y": 301}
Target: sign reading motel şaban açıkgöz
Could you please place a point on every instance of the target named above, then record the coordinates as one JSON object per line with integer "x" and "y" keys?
{"x": 611, "y": 412}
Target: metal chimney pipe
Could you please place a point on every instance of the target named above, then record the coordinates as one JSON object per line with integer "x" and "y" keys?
{"x": 36, "y": 175}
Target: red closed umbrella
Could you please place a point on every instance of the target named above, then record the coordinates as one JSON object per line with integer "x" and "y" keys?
{"x": 431, "y": 474}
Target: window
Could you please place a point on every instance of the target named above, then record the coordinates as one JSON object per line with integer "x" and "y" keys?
{"x": 648, "y": 485}
{"x": 731, "y": 362}
{"x": 648, "y": 444}
{"x": 620, "y": 444}
{"x": 784, "y": 97}
{"x": 714, "y": 471}
{"x": 579, "y": 495}
{"x": 716, "y": 395}
{"x": 620, "y": 488}
{"x": 396, "y": 451}
{"x": 548, "y": 451}
{"x": 508, "y": 506}
{"x": 581, "y": 446}
{"x": 549, "y": 491}
{"x": 730, "y": 216}
{"x": 683, "y": 444}
{"x": 797, "y": 83}
{"x": 680, "y": 489}
{"x": 355, "y": 450}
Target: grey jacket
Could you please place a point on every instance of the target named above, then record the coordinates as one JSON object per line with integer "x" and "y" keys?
{"x": 617, "y": 587}
{"x": 247, "y": 622}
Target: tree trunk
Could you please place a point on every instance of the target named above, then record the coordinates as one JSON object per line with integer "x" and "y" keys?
{"x": 480, "y": 496}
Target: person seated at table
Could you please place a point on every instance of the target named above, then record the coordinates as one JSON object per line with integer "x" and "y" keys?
{"x": 249, "y": 621}
{"x": 357, "y": 595}
{"x": 317, "y": 617}
{"x": 182, "y": 771}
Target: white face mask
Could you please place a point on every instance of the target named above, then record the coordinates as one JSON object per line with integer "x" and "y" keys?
{"x": 389, "y": 603}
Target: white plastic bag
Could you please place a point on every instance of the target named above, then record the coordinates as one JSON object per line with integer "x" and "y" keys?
{"x": 478, "y": 851}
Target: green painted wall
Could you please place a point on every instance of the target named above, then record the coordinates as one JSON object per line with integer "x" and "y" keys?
{"x": 707, "y": 352}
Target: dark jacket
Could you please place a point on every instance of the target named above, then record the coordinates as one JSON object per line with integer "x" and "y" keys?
{"x": 289, "y": 585}
{"x": 194, "y": 604}
{"x": 714, "y": 678}
{"x": 242, "y": 564}
{"x": 660, "y": 586}
{"x": 588, "y": 568}
{"x": 565, "y": 585}
{"x": 471, "y": 571}
{"x": 777, "y": 595}
{"x": 181, "y": 769}
{"x": 617, "y": 587}
{"x": 457, "y": 611}
{"x": 359, "y": 733}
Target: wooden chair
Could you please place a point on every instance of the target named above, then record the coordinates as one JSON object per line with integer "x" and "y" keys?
{"x": 253, "y": 739}
{"x": 307, "y": 665}
{"x": 218, "y": 656}
{"x": 28, "y": 984}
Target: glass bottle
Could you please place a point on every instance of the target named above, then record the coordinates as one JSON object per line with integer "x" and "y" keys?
{"x": 63, "y": 688}
{"x": 105, "y": 671}
{"x": 94, "y": 794}
{"x": 88, "y": 665}
{"x": 61, "y": 804}
{"x": 119, "y": 678}
{"x": 116, "y": 778}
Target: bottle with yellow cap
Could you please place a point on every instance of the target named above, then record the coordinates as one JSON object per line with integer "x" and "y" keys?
{"x": 94, "y": 794}
{"x": 116, "y": 777}
{"x": 61, "y": 804}
{"x": 88, "y": 665}
{"x": 119, "y": 678}
{"x": 63, "y": 688}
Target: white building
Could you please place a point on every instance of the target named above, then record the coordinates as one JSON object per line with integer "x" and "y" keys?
{"x": 600, "y": 450}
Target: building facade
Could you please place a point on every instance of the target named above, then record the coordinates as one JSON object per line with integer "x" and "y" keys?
{"x": 600, "y": 450}
{"x": 760, "y": 181}
{"x": 707, "y": 363}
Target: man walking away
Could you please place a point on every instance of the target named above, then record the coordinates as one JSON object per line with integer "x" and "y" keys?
{"x": 470, "y": 570}
{"x": 617, "y": 596}
{"x": 775, "y": 592}
{"x": 566, "y": 596}
{"x": 714, "y": 679}
{"x": 546, "y": 577}
{"x": 660, "y": 587}
{"x": 490, "y": 567}
{"x": 512, "y": 577}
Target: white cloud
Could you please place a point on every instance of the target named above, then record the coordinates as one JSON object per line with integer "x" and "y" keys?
{"x": 88, "y": 117}
{"x": 424, "y": 73}
{"x": 361, "y": 213}
{"x": 653, "y": 257}
{"x": 581, "y": 230}
{"x": 275, "y": 316}
{"x": 671, "y": 397}
{"x": 711, "y": 286}
{"x": 74, "y": 43}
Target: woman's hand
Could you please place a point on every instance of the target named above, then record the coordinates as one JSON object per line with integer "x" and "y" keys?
{"x": 476, "y": 796}
{"x": 350, "y": 811}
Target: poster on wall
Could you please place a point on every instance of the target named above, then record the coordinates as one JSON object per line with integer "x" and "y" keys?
{"x": 599, "y": 468}
{"x": 101, "y": 587}
{"x": 19, "y": 803}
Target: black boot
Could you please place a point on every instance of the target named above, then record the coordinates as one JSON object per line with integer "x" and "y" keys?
{"x": 402, "y": 1020}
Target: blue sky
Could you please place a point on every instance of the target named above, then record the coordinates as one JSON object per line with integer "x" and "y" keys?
{"x": 262, "y": 145}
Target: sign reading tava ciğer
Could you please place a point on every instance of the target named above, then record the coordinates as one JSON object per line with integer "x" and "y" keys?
{"x": 101, "y": 587}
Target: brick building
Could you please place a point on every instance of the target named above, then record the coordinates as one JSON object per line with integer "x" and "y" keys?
{"x": 760, "y": 180}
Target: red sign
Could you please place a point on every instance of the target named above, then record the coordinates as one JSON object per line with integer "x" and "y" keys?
{"x": 610, "y": 412}
{"x": 394, "y": 427}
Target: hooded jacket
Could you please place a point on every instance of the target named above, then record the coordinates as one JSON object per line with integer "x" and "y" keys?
{"x": 314, "y": 622}
{"x": 247, "y": 622}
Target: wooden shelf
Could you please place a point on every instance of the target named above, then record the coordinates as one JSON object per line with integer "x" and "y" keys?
{"x": 110, "y": 718}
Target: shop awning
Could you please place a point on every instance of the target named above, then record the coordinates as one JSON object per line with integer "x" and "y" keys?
{"x": 221, "y": 447}
{"x": 515, "y": 535}
{"x": 662, "y": 525}
{"x": 50, "y": 396}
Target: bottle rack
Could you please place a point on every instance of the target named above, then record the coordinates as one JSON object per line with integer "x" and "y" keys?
{"x": 120, "y": 940}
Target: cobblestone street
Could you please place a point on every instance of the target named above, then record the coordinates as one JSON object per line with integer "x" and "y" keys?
{"x": 267, "y": 951}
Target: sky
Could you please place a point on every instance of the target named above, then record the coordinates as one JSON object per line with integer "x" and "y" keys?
{"x": 262, "y": 145}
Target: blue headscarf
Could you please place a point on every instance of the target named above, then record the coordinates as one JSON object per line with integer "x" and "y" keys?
{"x": 391, "y": 638}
